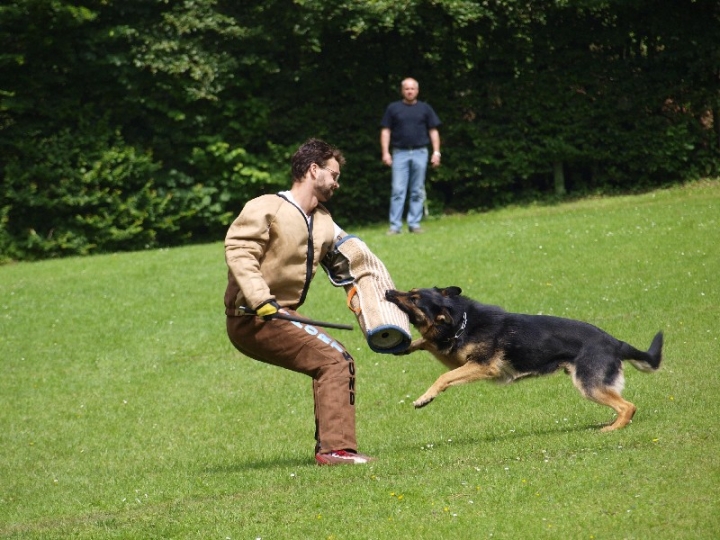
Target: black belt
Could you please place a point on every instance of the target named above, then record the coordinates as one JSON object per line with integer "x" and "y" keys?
{"x": 409, "y": 147}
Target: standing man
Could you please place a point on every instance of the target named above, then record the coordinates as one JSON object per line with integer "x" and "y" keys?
{"x": 272, "y": 250}
{"x": 408, "y": 127}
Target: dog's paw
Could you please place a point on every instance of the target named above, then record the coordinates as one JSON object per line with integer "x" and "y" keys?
{"x": 422, "y": 401}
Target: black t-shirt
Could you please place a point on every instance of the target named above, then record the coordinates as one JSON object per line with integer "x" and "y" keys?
{"x": 409, "y": 124}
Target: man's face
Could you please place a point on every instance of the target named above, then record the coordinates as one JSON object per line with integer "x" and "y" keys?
{"x": 409, "y": 91}
{"x": 325, "y": 181}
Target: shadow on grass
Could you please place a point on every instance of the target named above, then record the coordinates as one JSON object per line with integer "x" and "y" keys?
{"x": 469, "y": 440}
{"x": 512, "y": 434}
{"x": 255, "y": 463}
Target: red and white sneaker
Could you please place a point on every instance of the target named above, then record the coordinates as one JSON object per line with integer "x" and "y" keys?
{"x": 342, "y": 457}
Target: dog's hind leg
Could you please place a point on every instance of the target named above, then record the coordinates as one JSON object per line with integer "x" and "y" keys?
{"x": 608, "y": 395}
{"x": 469, "y": 372}
{"x": 624, "y": 409}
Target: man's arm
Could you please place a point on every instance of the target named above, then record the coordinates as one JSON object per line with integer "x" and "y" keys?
{"x": 385, "y": 146}
{"x": 244, "y": 248}
{"x": 435, "y": 140}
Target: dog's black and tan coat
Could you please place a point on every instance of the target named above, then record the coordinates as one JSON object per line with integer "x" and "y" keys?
{"x": 477, "y": 341}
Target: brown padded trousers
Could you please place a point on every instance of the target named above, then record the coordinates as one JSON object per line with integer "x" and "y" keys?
{"x": 309, "y": 350}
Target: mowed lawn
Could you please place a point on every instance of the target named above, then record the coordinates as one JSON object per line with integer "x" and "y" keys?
{"x": 126, "y": 414}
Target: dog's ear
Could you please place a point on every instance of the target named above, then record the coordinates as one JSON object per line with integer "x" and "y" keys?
{"x": 451, "y": 291}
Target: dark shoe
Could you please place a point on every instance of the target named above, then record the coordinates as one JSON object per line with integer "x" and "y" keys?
{"x": 342, "y": 457}
{"x": 416, "y": 230}
{"x": 393, "y": 232}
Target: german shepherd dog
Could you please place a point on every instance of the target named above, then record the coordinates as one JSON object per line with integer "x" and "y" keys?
{"x": 477, "y": 341}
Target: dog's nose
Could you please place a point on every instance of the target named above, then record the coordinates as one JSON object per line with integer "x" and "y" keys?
{"x": 389, "y": 294}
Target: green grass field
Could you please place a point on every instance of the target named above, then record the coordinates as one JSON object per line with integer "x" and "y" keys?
{"x": 125, "y": 413}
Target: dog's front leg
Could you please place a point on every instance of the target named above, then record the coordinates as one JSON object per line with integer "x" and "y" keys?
{"x": 469, "y": 372}
{"x": 416, "y": 345}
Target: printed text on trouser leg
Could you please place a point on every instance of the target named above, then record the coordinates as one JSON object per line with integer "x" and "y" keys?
{"x": 351, "y": 368}
{"x": 313, "y": 331}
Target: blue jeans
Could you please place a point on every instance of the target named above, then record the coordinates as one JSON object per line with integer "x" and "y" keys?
{"x": 408, "y": 171}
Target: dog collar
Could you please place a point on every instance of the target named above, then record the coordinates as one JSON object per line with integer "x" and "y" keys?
{"x": 463, "y": 324}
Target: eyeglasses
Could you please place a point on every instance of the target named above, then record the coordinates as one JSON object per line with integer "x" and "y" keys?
{"x": 335, "y": 174}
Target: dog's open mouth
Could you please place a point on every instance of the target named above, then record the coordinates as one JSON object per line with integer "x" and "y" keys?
{"x": 402, "y": 301}
{"x": 396, "y": 297}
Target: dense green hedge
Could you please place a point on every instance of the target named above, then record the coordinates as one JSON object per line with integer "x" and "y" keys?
{"x": 143, "y": 123}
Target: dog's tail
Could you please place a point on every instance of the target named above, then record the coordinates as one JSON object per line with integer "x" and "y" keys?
{"x": 644, "y": 361}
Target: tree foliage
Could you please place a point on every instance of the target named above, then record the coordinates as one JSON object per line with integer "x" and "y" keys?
{"x": 142, "y": 123}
